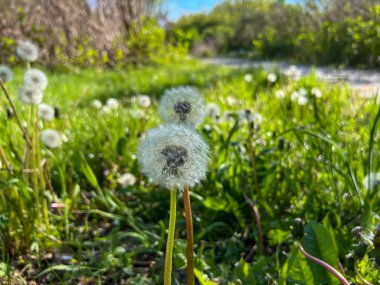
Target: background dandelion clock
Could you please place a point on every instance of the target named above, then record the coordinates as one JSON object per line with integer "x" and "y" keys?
{"x": 175, "y": 157}
{"x": 6, "y": 73}
{"x": 182, "y": 105}
{"x": 35, "y": 78}
{"x": 51, "y": 138}
{"x": 46, "y": 112}
{"x": 27, "y": 51}
{"x": 30, "y": 95}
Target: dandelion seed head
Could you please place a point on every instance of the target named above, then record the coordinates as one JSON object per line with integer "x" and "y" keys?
{"x": 30, "y": 95}
{"x": 302, "y": 100}
{"x": 248, "y": 77}
{"x": 280, "y": 94}
{"x": 271, "y": 77}
{"x": 250, "y": 117}
{"x": 143, "y": 101}
{"x": 213, "y": 111}
{"x": 371, "y": 181}
{"x": 46, "y": 112}
{"x": 182, "y": 105}
{"x": 316, "y": 92}
{"x": 6, "y": 73}
{"x": 51, "y": 138}
{"x": 112, "y": 103}
{"x": 126, "y": 180}
{"x": 174, "y": 156}
{"x": 96, "y": 104}
{"x": 27, "y": 51}
{"x": 36, "y": 78}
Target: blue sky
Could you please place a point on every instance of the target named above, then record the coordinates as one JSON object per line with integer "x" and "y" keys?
{"x": 177, "y": 8}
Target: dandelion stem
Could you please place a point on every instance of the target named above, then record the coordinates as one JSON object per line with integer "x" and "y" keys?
{"x": 256, "y": 213}
{"x": 170, "y": 241}
{"x": 325, "y": 265}
{"x": 189, "y": 237}
{"x": 6, "y": 161}
{"x": 24, "y": 132}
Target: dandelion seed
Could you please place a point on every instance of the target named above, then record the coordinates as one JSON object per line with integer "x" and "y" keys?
{"x": 174, "y": 156}
{"x": 213, "y": 111}
{"x": 272, "y": 77}
{"x": 248, "y": 77}
{"x": 126, "y": 180}
{"x": 46, "y": 112}
{"x": 143, "y": 101}
{"x": 6, "y": 73}
{"x": 27, "y": 51}
{"x": 182, "y": 105}
{"x": 96, "y": 104}
{"x": 51, "y": 138}
{"x": 316, "y": 92}
{"x": 371, "y": 181}
{"x": 250, "y": 117}
{"x": 112, "y": 103}
{"x": 30, "y": 95}
{"x": 280, "y": 94}
{"x": 36, "y": 78}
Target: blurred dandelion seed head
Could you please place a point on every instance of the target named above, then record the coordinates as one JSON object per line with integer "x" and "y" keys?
{"x": 174, "y": 156}
{"x": 27, "y": 51}
{"x": 248, "y": 77}
{"x": 316, "y": 92}
{"x": 51, "y": 138}
{"x": 30, "y": 95}
{"x": 112, "y": 103}
{"x": 96, "y": 104}
{"x": 6, "y": 73}
{"x": 213, "y": 111}
{"x": 271, "y": 77}
{"x": 35, "y": 78}
{"x": 371, "y": 181}
{"x": 46, "y": 112}
{"x": 280, "y": 94}
{"x": 182, "y": 105}
{"x": 143, "y": 101}
{"x": 126, "y": 180}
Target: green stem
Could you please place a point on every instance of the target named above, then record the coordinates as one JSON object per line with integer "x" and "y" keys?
{"x": 189, "y": 237}
{"x": 170, "y": 241}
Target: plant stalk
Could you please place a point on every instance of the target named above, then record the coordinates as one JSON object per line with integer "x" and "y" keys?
{"x": 170, "y": 241}
{"x": 189, "y": 237}
{"x": 256, "y": 213}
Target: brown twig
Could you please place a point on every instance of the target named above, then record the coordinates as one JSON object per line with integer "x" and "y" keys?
{"x": 24, "y": 132}
{"x": 189, "y": 237}
{"x": 256, "y": 213}
{"x": 325, "y": 265}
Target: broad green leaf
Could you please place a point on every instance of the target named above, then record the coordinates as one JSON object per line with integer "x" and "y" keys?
{"x": 298, "y": 270}
{"x": 319, "y": 243}
{"x": 203, "y": 279}
{"x": 244, "y": 272}
{"x": 215, "y": 203}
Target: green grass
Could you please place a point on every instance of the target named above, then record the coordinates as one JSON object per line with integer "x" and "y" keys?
{"x": 310, "y": 164}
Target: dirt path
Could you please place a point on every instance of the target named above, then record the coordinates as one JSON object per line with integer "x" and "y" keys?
{"x": 366, "y": 82}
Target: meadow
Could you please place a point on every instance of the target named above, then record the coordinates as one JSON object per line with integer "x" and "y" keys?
{"x": 290, "y": 159}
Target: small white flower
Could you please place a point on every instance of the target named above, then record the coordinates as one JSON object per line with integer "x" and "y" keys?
{"x": 6, "y": 73}
{"x": 182, "y": 105}
{"x": 250, "y": 117}
{"x": 174, "y": 156}
{"x": 143, "y": 101}
{"x": 280, "y": 94}
{"x": 248, "y": 77}
{"x": 36, "y": 78}
{"x": 51, "y": 138}
{"x": 46, "y": 112}
{"x": 112, "y": 103}
{"x": 30, "y": 95}
{"x": 371, "y": 181}
{"x": 96, "y": 104}
{"x": 272, "y": 77}
{"x": 27, "y": 51}
{"x": 127, "y": 179}
{"x": 302, "y": 100}
{"x": 316, "y": 92}
{"x": 213, "y": 111}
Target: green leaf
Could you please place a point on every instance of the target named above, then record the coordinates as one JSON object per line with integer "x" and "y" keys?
{"x": 243, "y": 272}
{"x": 203, "y": 279}
{"x": 89, "y": 174}
{"x": 319, "y": 243}
{"x": 215, "y": 203}
{"x": 298, "y": 270}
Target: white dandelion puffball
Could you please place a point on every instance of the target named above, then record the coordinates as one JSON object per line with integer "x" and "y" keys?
{"x": 294, "y": 96}
{"x": 182, "y": 105}
{"x": 316, "y": 92}
{"x": 271, "y": 77}
{"x": 126, "y": 180}
{"x": 143, "y": 101}
{"x": 27, "y": 51}
{"x": 36, "y": 78}
{"x": 46, "y": 112}
{"x": 280, "y": 94}
{"x": 371, "y": 181}
{"x": 6, "y": 73}
{"x": 302, "y": 100}
{"x": 51, "y": 138}
{"x": 96, "y": 104}
{"x": 250, "y": 117}
{"x": 112, "y": 103}
{"x": 213, "y": 111}
{"x": 248, "y": 77}
{"x": 174, "y": 157}
{"x": 30, "y": 95}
